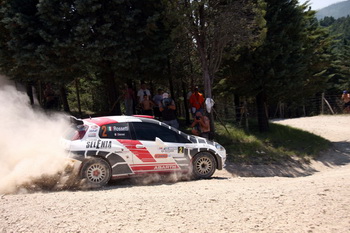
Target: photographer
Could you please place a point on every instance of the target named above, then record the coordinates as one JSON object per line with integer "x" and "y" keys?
{"x": 167, "y": 108}
{"x": 201, "y": 125}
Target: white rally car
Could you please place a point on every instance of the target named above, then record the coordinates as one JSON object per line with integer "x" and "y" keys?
{"x": 115, "y": 147}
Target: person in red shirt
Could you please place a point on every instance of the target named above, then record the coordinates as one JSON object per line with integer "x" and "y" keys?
{"x": 196, "y": 101}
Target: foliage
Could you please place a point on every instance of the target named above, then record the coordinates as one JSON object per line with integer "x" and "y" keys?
{"x": 92, "y": 96}
{"x": 245, "y": 48}
{"x": 60, "y": 41}
{"x": 213, "y": 25}
{"x": 340, "y": 70}
{"x": 288, "y": 65}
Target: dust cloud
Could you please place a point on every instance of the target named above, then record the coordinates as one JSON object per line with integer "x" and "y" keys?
{"x": 31, "y": 156}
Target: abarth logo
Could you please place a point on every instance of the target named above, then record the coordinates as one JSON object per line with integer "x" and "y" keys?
{"x": 164, "y": 167}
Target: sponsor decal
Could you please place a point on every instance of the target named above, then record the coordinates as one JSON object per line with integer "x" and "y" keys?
{"x": 154, "y": 167}
{"x": 118, "y": 128}
{"x": 92, "y": 135}
{"x": 119, "y": 134}
{"x": 94, "y": 127}
{"x": 168, "y": 149}
{"x": 93, "y": 130}
{"x": 160, "y": 156}
{"x": 180, "y": 150}
{"x": 99, "y": 144}
{"x": 165, "y": 167}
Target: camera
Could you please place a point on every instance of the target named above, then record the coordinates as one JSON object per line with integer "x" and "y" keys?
{"x": 198, "y": 117}
{"x": 166, "y": 102}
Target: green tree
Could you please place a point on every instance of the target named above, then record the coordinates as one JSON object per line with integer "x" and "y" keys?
{"x": 115, "y": 40}
{"x": 288, "y": 64}
{"x": 212, "y": 26}
{"x": 340, "y": 71}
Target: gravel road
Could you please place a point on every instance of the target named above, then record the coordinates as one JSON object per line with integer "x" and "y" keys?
{"x": 309, "y": 198}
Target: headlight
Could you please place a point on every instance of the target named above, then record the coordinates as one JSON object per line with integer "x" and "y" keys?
{"x": 219, "y": 147}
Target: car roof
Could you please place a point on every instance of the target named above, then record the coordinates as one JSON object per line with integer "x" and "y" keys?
{"x": 103, "y": 120}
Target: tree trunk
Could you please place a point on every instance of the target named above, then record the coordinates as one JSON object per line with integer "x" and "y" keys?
{"x": 63, "y": 94}
{"x": 238, "y": 107}
{"x": 29, "y": 90}
{"x": 184, "y": 95}
{"x": 78, "y": 95}
{"x": 208, "y": 94}
{"x": 112, "y": 94}
{"x": 261, "y": 102}
{"x": 170, "y": 79}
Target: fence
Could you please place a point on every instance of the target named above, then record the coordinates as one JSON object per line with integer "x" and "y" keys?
{"x": 324, "y": 104}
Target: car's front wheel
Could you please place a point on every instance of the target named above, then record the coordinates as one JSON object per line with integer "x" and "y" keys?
{"x": 96, "y": 172}
{"x": 204, "y": 165}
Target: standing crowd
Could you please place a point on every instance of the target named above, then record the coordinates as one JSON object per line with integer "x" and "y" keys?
{"x": 163, "y": 107}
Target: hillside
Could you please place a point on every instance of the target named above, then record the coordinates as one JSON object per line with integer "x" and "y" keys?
{"x": 337, "y": 10}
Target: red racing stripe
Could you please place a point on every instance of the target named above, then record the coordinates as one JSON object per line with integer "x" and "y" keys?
{"x": 141, "y": 153}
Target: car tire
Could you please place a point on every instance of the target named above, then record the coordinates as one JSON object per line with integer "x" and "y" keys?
{"x": 204, "y": 165}
{"x": 96, "y": 172}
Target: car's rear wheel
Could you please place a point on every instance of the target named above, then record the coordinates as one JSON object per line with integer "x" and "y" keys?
{"x": 96, "y": 172}
{"x": 204, "y": 165}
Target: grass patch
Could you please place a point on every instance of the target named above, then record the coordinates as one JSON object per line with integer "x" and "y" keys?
{"x": 281, "y": 143}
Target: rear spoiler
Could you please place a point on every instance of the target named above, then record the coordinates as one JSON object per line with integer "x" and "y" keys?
{"x": 75, "y": 121}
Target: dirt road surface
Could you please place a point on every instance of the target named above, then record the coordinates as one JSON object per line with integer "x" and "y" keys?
{"x": 308, "y": 198}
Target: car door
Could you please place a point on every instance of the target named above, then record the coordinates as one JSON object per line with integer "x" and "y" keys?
{"x": 117, "y": 137}
{"x": 160, "y": 149}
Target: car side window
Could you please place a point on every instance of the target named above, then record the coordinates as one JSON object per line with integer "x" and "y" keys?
{"x": 115, "y": 131}
{"x": 149, "y": 132}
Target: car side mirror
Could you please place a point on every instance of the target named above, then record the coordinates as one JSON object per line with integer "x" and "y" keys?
{"x": 159, "y": 142}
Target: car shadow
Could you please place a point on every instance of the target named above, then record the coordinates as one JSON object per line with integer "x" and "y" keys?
{"x": 338, "y": 155}
{"x": 154, "y": 180}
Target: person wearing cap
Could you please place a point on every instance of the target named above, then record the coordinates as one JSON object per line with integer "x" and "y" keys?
{"x": 168, "y": 109}
{"x": 346, "y": 99}
{"x": 196, "y": 101}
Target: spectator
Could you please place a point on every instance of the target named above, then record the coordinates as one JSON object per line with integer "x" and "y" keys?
{"x": 146, "y": 106}
{"x": 201, "y": 125}
{"x": 157, "y": 99}
{"x": 167, "y": 108}
{"x": 128, "y": 99}
{"x": 143, "y": 91}
{"x": 346, "y": 99}
{"x": 196, "y": 101}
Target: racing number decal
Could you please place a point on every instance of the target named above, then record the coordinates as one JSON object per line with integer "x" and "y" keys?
{"x": 104, "y": 131}
{"x": 180, "y": 150}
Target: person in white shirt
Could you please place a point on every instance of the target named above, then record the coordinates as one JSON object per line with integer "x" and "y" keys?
{"x": 142, "y": 92}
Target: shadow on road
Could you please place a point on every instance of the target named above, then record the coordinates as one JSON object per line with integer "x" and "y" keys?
{"x": 338, "y": 155}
